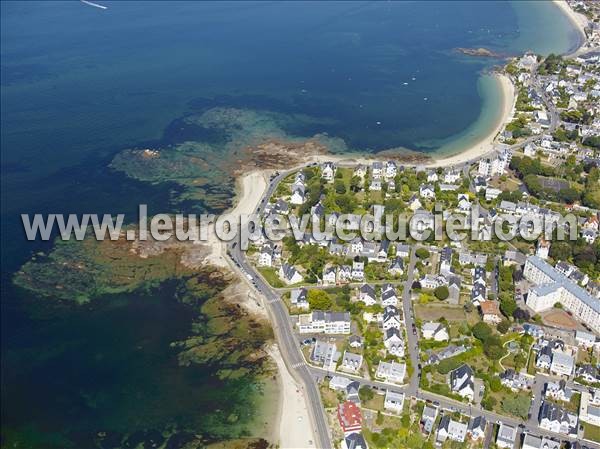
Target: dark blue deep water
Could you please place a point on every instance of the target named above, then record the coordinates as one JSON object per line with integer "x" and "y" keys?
{"x": 78, "y": 84}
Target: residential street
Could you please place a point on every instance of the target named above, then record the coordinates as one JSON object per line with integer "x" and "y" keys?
{"x": 294, "y": 359}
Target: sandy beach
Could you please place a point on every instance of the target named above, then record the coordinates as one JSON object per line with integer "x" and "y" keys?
{"x": 293, "y": 429}
{"x": 251, "y": 187}
{"x": 579, "y": 20}
{"x": 486, "y": 143}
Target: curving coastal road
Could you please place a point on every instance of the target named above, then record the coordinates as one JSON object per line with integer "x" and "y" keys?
{"x": 288, "y": 345}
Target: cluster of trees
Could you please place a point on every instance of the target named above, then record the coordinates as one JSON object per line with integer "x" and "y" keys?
{"x": 518, "y": 127}
{"x": 441, "y": 292}
{"x": 530, "y": 170}
{"x": 525, "y": 166}
{"x": 581, "y": 116}
{"x": 551, "y": 65}
{"x": 492, "y": 346}
{"x": 592, "y": 141}
{"x": 562, "y": 135}
{"x": 584, "y": 255}
{"x": 314, "y": 189}
{"x": 523, "y": 103}
{"x": 312, "y": 257}
{"x": 508, "y": 305}
{"x": 319, "y": 300}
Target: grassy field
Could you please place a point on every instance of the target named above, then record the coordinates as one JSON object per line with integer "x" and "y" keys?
{"x": 330, "y": 399}
{"x": 271, "y": 276}
{"x": 376, "y": 403}
{"x": 591, "y": 432}
{"x": 433, "y": 312}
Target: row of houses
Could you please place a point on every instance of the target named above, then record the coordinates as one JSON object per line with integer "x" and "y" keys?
{"x": 450, "y": 428}
{"x": 349, "y": 413}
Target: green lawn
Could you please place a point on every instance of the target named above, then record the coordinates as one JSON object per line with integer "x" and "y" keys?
{"x": 376, "y": 403}
{"x": 590, "y": 432}
{"x": 271, "y": 276}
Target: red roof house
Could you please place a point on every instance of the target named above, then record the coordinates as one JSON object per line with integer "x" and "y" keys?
{"x": 349, "y": 417}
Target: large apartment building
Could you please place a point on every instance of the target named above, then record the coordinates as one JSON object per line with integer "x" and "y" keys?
{"x": 554, "y": 287}
{"x": 318, "y": 322}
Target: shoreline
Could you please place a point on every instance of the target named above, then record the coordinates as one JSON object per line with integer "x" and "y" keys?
{"x": 579, "y": 21}
{"x": 292, "y": 427}
{"x": 486, "y": 143}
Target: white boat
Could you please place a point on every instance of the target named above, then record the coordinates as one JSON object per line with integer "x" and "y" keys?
{"x": 95, "y": 5}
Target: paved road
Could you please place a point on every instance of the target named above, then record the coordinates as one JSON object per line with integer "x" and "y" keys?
{"x": 411, "y": 338}
{"x": 288, "y": 344}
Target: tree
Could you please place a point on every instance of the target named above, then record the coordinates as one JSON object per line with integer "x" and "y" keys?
{"x": 493, "y": 351}
{"x": 482, "y": 331}
{"x": 508, "y": 306}
{"x": 503, "y": 326}
{"x": 441, "y": 292}
{"x": 339, "y": 186}
{"x": 520, "y": 360}
{"x": 365, "y": 393}
{"x": 521, "y": 315}
{"x": 319, "y": 300}
{"x": 405, "y": 420}
{"x": 489, "y": 402}
{"x": 355, "y": 183}
{"x": 560, "y": 251}
{"x": 495, "y": 384}
{"x": 422, "y": 253}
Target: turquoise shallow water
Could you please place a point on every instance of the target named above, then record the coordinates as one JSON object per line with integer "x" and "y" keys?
{"x": 79, "y": 84}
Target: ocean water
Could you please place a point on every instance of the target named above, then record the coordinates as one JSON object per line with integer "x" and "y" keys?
{"x": 79, "y": 84}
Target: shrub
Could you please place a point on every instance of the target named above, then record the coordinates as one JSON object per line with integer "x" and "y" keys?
{"x": 422, "y": 253}
{"x": 441, "y": 292}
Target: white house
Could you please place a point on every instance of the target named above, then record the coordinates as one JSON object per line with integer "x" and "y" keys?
{"x": 321, "y": 322}
{"x": 477, "y": 427}
{"x": 394, "y": 401}
{"x": 396, "y": 267}
{"x": 393, "y": 342}
{"x": 506, "y": 436}
{"x": 451, "y": 176}
{"x": 426, "y": 191}
{"x": 557, "y": 419}
{"x": 434, "y": 331}
{"x": 391, "y": 371}
{"x": 351, "y": 362}
{"x": 586, "y": 339}
{"x": 329, "y": 275}
{"x": 299, "y": 298}
{"x": 366, "y": 294}
{"x": 297, "y": 196}
{"x": 328, "y": 171}
{"x": 589, "y": 407}
{"x": 461, "y": 381}
{"x": 562, "y": 364}
{"x": 358, "y": 271}
{"x": 450, "y": 429}
{"x": 391, "y": 318}
{"x": 265, "y": 256}
{"x": 289, "y": 274}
